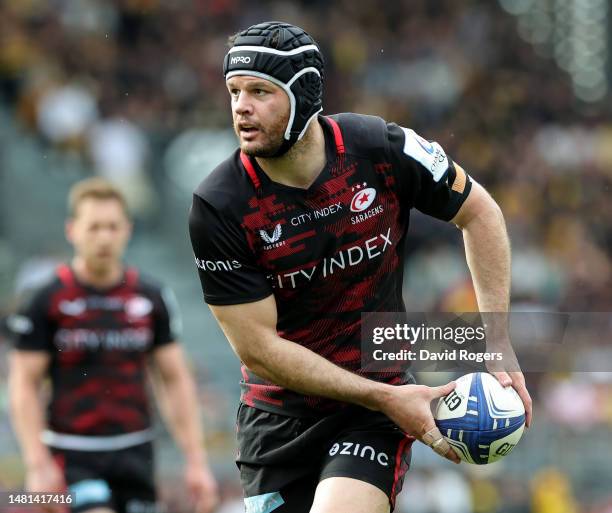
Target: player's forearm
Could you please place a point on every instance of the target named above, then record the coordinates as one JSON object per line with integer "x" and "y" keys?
{"x": 487, "y": 251}
{"x": 28, "y": 421}
{"x": 183, "y": 416}
{"x": 295, "y": 367}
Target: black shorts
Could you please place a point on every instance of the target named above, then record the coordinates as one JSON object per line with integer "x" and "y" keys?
{"x": 282, "y": 459}
{"x": 121, "y": 480}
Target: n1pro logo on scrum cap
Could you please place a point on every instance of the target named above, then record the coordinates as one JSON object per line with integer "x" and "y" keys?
{"x": 241, "y": 59}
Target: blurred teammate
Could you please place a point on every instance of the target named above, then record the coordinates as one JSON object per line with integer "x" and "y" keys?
{"x": 295, "y": 235}
{"x": 93, "y": 330}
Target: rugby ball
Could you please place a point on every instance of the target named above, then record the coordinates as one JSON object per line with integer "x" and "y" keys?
{"x": 480, "y": 419}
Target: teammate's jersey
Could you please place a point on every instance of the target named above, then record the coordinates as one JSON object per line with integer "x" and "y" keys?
{"x": 99, "y": 341}
{"x": 327, "y": 253}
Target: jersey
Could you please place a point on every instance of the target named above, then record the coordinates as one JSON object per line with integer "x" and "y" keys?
{"x": 98, "y": 341}
{"x": 327, "y": 253}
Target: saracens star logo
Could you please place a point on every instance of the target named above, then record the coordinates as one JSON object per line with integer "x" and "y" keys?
{"x": 363, "y": 199}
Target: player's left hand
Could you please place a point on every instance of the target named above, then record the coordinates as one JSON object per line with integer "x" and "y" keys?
{"x": 202, "y": 487}
{"x": 517, "y": 381}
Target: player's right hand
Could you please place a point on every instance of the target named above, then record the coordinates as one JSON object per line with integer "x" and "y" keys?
{"x": 202, "y": 487}
{"x": 46, "y": 477}
{"x": 409, "y": 406}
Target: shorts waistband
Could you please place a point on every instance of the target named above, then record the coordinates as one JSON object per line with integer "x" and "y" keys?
{"x": 95, "y": 443}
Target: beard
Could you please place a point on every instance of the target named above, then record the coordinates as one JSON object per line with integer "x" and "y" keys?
{"x": 99, "y": 266}
{"x": 269, "y": 141}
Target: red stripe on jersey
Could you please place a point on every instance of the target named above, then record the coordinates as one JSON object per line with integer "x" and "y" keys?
{"x": 65, "y": 275}
{"x": 86, "y": 421}
{"x": 131, "y": 277}
{"x": 400, "y": 469}
{"x": 250, "y": 169}
{"x": 337, "y": 135}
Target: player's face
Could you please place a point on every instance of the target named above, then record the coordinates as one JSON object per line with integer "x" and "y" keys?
{"x": 99, "y": 233}
{"x": 260, "y": 110}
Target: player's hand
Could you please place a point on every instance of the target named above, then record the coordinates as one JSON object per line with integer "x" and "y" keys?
{"x": 409, "y": 406}
{"x": 517, "y": 381}
{"x": 202, "y": 487}
{"x": 46, "y": 477}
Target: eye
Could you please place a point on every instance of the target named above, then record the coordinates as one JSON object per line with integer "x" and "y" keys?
{"x": 259, "y": 92}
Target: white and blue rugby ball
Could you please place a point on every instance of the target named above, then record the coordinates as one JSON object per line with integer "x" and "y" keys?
{"x": 480, "y": 419}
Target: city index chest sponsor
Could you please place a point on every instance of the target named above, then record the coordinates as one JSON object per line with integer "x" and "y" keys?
{"x": 370, "y": 249}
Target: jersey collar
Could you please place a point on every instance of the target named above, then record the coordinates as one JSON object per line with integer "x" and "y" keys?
{"x": 335, "y": 150}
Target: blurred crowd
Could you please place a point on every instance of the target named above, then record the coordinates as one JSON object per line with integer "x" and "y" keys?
{"x": 113, "y": 81}
{"x": 113, "y": 84}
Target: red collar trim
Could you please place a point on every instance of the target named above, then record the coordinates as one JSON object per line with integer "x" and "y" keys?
{"x": 252, "y": 172}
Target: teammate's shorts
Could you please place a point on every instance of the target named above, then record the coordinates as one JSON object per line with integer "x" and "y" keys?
{"x": 121, "y": 480}
{"x": 282, "y": 459}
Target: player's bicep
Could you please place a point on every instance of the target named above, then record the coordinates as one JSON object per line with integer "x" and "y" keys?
{"x": 479, "y": 202}
{"x": 247, "y": 325}
{"x": 28, "y": 367}
{"x": 169, "y": 360}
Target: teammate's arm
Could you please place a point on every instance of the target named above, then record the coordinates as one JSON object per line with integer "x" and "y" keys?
{"x": 487, "y": 250}
{"x": 181, "y": 409}
{"x": 251, "y": 331}
{"x": 27, "y": 369}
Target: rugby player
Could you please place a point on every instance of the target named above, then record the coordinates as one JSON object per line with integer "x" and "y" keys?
{"x": 94, "y": 330}
{"x": 295, "y": 235}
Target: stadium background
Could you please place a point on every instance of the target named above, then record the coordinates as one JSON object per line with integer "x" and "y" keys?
{"x": 517, "y": 91}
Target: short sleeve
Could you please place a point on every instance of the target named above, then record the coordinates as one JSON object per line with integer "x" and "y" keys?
{"x": 225, "y": 262}
{"x": 30, "y": 328}
{"x": 429, "y": 180}
{"x": 168, "y": 324}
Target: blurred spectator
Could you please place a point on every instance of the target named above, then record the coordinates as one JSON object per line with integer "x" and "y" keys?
{"x": 65, "y": 114}
{"x": 562, "y": 406}
{"x": 485, "y": 495}
{"x": 552, "y": 493}
{"x": 119, "y": 150}
{"x": 435, "y": 491}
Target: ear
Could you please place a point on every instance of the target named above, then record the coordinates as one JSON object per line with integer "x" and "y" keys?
{"x": 69, "y": 230}
{"x": 130, "y": 229}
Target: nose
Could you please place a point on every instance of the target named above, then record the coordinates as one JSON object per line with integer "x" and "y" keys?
{"x": 106, "y": 235}
{"x": 242, "y": 104}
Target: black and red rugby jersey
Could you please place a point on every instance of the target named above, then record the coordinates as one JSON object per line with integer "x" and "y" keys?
{"x": 99, "y": 341}
{"x": 327, "y": 253}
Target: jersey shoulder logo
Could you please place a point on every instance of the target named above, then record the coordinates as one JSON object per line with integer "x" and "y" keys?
{"x": 20, "y": 324}
{"x": 429, "y": 154}
{"x": 271, "y": 239}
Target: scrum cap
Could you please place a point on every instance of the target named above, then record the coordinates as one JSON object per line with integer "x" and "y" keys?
{"x": 287, "y": 56}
